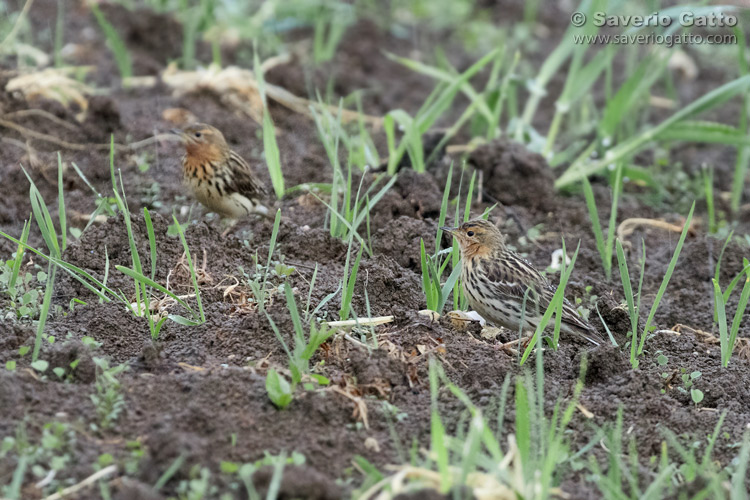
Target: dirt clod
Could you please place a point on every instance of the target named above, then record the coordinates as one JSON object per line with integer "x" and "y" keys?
{"x": 515, "y": 176}
{"x": 298, "y": 482}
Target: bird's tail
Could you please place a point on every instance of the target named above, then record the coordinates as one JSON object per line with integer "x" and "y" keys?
{"x": 586, "y": 331}
{"x": 579, "y": 326}
{"x": 261, "y": 209}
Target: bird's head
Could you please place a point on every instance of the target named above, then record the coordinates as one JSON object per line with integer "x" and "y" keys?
{"x": 477, "y": 237}
{"x": 203, "y": 140}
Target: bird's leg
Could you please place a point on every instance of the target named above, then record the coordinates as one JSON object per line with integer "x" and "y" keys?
{"x": 230, "y": 226}
{"x": 508, "y": 347}
{"x": 267, "y": 215}
{"x": 526, "y": 340}
{"x": 522, "y": 342}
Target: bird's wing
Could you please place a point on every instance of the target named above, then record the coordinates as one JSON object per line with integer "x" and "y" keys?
{"x": 512, "y": 277}
{"x": 243, "y": 180}
{"x": 572, "y": 318}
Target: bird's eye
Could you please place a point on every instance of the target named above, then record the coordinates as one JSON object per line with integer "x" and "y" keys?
{"x": 469, "y": 233}
{"x": 197, "y": 134}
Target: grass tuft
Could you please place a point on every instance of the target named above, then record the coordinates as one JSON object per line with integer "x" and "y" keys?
{"x": 554, "y": 307}
{"x": 728, "y": 337}
{"x": 639, "y": 339}
{"x": 116, "y": 45}
{"x": 270, "y": 146}
{"x": 605, "y": 248}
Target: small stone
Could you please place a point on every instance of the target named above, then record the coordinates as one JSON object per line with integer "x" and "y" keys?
{"x": 431, "y": 315}
{"x": 490, "y": 332}
{"x": 372, "y": 444}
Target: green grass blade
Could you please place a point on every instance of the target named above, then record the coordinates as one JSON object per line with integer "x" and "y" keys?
{"x": 447, "y": 287}
{"x": 708, "y": 192}
{"x": 717, "y": 272}
{"x": 310, "y": 292}
{"x": 106, "y": 272}
{"x": 44, "y": 311}
{"x": 443, "y": 208}
{"x": 271, "y": 248}
{"x": 624, "y": 101}
{"x": 191, "y": 266}
{"x": 270, "y": 146}
{"x": 152, "y": 240}
{"x": 394, "y": 152}
{"x": 577, "y": 84}
{"x": 596, "y": 226}
{"x": 279, "y": 337}
{"x": 743, "y": 154}
{"x": 628, "y": 289}
{"x": 116, "y": 45}
{"x": 79, "y": 274}
{"x": 432, "y": 109}
{"x": 171, "y": 471}
{"x": 606, "y": 327}
{"x": 61, "y": 205}
{"x": 585, "y": 78}
{"x": 342, "y": 220}
{"x": 612, "y": 227}
{"x": 325, "y": 301}
{"x": 705, "y": 132}
{"x": 552, "y": 307}
{"x": 736, "y": 280}
{"x": 291, "y": 306}
{"x": 411, "y": 141}
{"x": 493, "y": 130}
{"x": 558, "y": 304}
{"x": 181, "y": 320}
{"x": 640, "y": 278}
{"x": 19, "y": 258}
{"x": 43, "y": 218}
{"x": 716, "y": 97}
{"x": 140, "y": 278}
{"x": 437, "y": 431}
{"x": 14, "y": 488}
{"x": 361, "y": 215}
{"x": 427, "y": 118}
{"x": 711, "y": 441}
{"x": 738, "y": 316}
{"x": 655, "y": 490}
{"x": 739, "y": 490}
{"x": 444, "y": 76}
{"x": 141, "y": 296}
{"x": 524, "y": 419}
{"x": 350, "y": 281}
{"x": 426, "y": 281}
{"x": 666, "y": 279}
{"x": 272, "y": 154}
{"x": 469, "y": 197}
{"x": 549, "y": 68}
{"x": 278, "y": 473}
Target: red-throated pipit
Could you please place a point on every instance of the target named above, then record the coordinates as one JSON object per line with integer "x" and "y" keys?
{"x": 217, "y": 176}
{"x": 496, "y": 279}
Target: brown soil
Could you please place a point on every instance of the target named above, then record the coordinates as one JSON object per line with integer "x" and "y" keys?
{"x": 199, "y": 392}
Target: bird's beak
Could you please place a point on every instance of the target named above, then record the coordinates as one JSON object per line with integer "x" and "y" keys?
{"x": 450, "y": 230}
{"x": 184, "y": 138}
